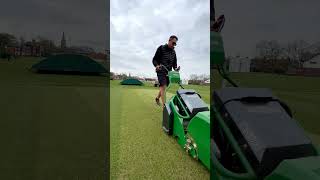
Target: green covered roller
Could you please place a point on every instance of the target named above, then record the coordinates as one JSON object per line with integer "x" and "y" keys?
{"x": 131, "y": 81}
{"x": 68, "y": 63}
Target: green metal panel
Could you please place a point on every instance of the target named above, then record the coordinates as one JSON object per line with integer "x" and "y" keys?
{"x": 296, "y": 169}
{"x": 217, "y": 55}
{"x": 195, "y": 139}
{"x": 178, "y": 129}
{"x": 199, "y": 131}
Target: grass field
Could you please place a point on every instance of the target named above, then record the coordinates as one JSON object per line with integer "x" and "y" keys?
{"x": 52, "y": 126}
{"x": 139, "y": 147}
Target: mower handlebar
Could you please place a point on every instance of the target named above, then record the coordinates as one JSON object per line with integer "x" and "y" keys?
{"x": 220, "y": 168}
{"x": 225, "y": 172}
{"x": 177, "y": 69}
{"x": 176, "y": 112}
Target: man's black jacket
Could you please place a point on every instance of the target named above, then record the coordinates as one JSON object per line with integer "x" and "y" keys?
{"x": 165, "y": 56}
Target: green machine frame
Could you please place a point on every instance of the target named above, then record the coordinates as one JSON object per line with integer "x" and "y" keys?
{"x": 194, "y": 138}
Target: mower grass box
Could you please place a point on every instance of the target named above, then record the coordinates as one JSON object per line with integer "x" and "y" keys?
{"x": 192, "y": 101}
{"x": 258, "y": 120}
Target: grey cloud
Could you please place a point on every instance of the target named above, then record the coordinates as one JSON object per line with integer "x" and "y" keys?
{"x": 137, "y": 29}
{"x": 81, "y": 20}
{"x": 249, "y": 21}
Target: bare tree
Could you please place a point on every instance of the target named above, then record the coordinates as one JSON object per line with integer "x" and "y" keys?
{"x": 204, "y": 77}
{"x": 261, "y": 49}
{"x": 269, "y": 50}
{"x": 193, "y": 77}
{"x": 297, "y": 52}
{"x": 7, "y": 39}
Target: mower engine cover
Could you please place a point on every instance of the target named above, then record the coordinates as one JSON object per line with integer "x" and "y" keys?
{"x": 192, "y": 100}
{"x": 263, "y": 128}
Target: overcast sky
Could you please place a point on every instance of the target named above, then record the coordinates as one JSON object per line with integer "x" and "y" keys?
{"x": 248, "y": 21}
{"x": 138, "y": 27}
{"x": 83, "y": 21}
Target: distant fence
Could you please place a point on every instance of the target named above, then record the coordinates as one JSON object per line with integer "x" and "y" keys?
{"x": 195, "y": 82}
{"x": 304, "y": 72}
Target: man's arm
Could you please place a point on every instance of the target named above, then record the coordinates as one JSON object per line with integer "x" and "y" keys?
{"x": 156, "y": 59}
{"x": 175, "y": 62}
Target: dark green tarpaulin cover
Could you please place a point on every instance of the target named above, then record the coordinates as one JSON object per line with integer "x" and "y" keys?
{"x": 131, "y": 82}
{"x": 69, "y": 63}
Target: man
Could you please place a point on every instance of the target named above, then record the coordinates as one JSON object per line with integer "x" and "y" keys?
{"x": 164, "y": 60}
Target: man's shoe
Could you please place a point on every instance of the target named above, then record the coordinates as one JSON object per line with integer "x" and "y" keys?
{"x": 158, "y": 101}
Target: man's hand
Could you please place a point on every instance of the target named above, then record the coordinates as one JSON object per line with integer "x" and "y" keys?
{"x": 158, "y": 68}
{"x": 178, "y": 68}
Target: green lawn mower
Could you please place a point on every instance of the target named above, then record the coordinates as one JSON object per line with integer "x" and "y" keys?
{"x": 187, "y": 117}
{"x": 253, "y": 133}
